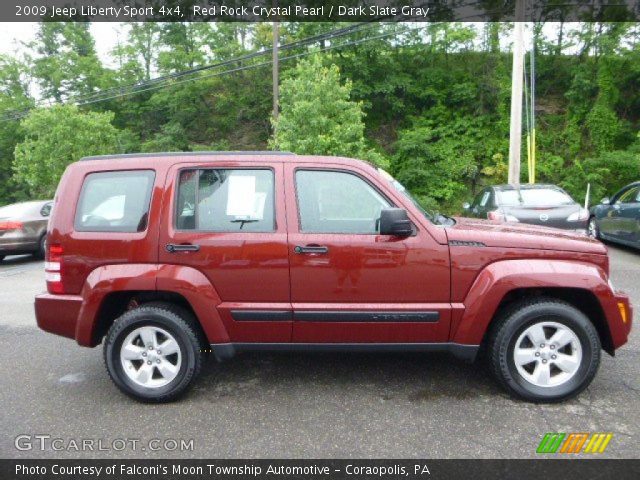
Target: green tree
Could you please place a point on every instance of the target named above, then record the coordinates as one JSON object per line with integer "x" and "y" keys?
{"x": 56, "y": 137}
{"x": 317, "y": 115}
{"x": 436, "y": 164}
{"x": 66, "y": 62}
{"x": 184, "y": 46}
{"x": 14, "y": 97}
{"x": 137, "y": 56}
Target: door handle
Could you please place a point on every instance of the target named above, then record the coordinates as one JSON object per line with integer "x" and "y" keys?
{"x": 312, "y": 249}
{"x": 188, "y": 247}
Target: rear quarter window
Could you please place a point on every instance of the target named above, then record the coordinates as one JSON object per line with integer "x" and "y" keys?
{"x": 115, "y": 201}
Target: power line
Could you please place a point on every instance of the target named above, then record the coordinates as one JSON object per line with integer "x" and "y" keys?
{"x": 165, "y": 81}
{"x": 248, "y": 67}
{"x": 80, "y": 99}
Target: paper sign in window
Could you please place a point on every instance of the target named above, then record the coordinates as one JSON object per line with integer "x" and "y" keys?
{"x": 243, "y": 201}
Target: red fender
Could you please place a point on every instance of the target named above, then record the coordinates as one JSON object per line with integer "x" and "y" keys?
{"x": 499, "y": 278}
{"x": 193, "y": 285}
{"x": 185, "y": 281}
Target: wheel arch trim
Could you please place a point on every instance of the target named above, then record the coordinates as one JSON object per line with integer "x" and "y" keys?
{"x": 187, "y": 282}
{"x": 499, "y": 279}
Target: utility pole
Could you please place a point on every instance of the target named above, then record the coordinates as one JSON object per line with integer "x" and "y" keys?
{"x": 532, "y": 62}
{"x": 515, "y": 133}
{"x": 276, "y": 85}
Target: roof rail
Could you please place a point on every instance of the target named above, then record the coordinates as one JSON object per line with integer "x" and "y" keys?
{"x": 184, "y": 154}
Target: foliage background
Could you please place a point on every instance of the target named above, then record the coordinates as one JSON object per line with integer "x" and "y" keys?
{"x": 430, "y": 102}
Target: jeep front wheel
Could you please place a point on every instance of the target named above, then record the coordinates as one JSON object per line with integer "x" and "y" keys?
{"x": 153, "y": 352}
{"x": 544, "y": 350}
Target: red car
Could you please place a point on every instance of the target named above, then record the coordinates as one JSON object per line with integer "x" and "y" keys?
{"x": 164, "y": 257}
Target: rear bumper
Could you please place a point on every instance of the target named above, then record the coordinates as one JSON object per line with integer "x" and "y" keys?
{"x": 58, "y": 313}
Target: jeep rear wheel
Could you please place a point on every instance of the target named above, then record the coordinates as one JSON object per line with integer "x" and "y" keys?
{"x": 153, "y": 353}
{"x": 544, "y": 350}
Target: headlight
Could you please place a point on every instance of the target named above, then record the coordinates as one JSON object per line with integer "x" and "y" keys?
{"x": 580, "y": 215}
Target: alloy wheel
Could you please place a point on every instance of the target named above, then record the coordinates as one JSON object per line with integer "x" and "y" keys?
{"x": 150, "y": 356}
{"x": 547, "y": 354}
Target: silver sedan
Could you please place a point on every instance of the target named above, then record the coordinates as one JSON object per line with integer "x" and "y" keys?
{"x": 23, "y": 228}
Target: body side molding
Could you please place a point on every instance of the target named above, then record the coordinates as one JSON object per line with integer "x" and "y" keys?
{"x": 224, "y": 351}
{"x": 365, "y": 316}
{"x": 261, "y": 315}
{"x": 355, "y": 316}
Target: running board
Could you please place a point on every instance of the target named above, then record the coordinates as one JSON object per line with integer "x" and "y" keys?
{"x": 224, "y": 351}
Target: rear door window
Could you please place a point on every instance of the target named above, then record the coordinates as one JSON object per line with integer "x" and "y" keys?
{"x": 226, "y": 200}
{"x": 115, "y": 201}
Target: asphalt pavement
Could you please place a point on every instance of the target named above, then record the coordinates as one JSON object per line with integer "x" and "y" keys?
{"x": 56, "y": 399}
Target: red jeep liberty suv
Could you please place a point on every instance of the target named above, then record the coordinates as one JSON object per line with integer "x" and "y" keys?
{"x": 168, "y": 256}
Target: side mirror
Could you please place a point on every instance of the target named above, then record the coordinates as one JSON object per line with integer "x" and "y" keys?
{"x": 605, "y": 201}
{"x": 395, "y": 221}
{"x": 466, "y": 205}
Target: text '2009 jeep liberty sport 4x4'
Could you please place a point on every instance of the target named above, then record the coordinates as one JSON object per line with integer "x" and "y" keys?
{"x": 167, "y": 256}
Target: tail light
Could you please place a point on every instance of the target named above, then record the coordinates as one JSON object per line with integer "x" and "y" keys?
{"x": 6, "y": 226}
{"x": 53, "y": 269}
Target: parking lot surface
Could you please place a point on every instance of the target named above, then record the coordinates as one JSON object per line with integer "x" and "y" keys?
{"x": 293, "y": 405}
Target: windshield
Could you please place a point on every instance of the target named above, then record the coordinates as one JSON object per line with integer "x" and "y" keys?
{"x": 400, "y": 188}
{"x": 538, "y": 197}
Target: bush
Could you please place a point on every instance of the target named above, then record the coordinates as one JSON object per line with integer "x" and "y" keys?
{"x": 56, "y": 137}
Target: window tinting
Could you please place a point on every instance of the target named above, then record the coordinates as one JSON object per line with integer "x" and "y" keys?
{"x": 115, "y": 201}
{"x": 337, "y": 202}
{"x": 225, "y": 200}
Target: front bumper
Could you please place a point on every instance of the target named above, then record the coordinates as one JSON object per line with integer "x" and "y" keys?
{"x": 620, "y": 319}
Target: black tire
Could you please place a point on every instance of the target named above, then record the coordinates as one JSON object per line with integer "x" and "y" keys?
{"x": 1, "y": 258}
{"x": 592, "y": 228}
{"x": 176, "y": 321}
{"x": 42, "y": 248}
{"x": 514, "y": 321}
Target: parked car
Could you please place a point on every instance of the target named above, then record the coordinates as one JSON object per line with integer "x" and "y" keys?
{"x": 164, "y": 257}
{"x": 618, "y": 219}
{"x": 537, "y": 204}
{"x": 23, "y": 227}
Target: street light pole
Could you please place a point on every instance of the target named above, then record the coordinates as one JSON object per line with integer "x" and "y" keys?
{"x": 515, "y": 132}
